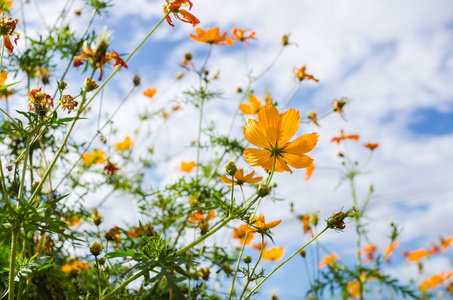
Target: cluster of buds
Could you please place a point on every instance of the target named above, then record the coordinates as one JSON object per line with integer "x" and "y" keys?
{"x": 97, "y": 54}
{"x": 68, "y": 102}
{"x": 7, "y": 27}
{"x": 40, "y": 102}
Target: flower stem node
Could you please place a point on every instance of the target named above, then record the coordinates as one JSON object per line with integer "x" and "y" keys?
{"x": 231, "y": 168}
{"x": 96, "y": 249}
{"x": 247, "y": 259}
{"x": 263, "y": 190}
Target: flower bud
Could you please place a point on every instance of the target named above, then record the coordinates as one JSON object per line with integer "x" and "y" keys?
{"x": 204, "y": 227}
{"x": 285, "y": 40}
{"x": 247, "y": 259}
{"x": 263, "y": 190}
{"x": 231, "y": 168}
{"x": 96, "y": 249}
{"x": 136, "y": 80}
{"x": 96, "y": 217}
{"x": 238, "y": 90}
{"x": 303, "y": 253}
{"x": 102, "y": 261}
{"x": 90, "y": 85}
{"x": 188, "y": 56}
{"x": 62, "y": 85}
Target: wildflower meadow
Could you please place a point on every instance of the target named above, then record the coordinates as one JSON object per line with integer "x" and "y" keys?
{"x": 180, "y": 149}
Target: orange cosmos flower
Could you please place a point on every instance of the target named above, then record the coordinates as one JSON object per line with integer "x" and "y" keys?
{"x": 416, "y": 255}
{"x": 434, "y": 281}
{"x": 5, "y": 5}
{"x": 343, "y": 137}
{"x": 369, "y": 251}
{"x": 150, "y": 92}
{"x": 306, "y": 224}
{"x": 96, "y": 157}
{"x": 240, "y": 36}
{"x": 212, "y": 36}
{"x": 7, "y": 27}
{"x": 238, "y": 234}
{"x": 74, "y": 266}
{"x": 389, "y": 250}
{"x": 273, "y": 253}
{"x": 353, "y": 289}
{"x": 137, "y": 232}
{"x": 259, "y": 246}
{"x": 259, "y": 223}
{"x": 73, "y": 221}
{"x": 301, "y": 75}
{"x": 240, "y": 179}
{"x": 272, "y": 133}
{"x": 3, "y": 77}
{"x": 174, "y": 6}
{"x": 188, "y": 167}
{"x": 197, "y": 217}
{"x": 329, "y": 260}
{"x": 445, "y": 243}
{"x": 255, "y": 105}
{"x": 126, "y": 144}
{"x": 113, "y": 235}
{"x": 337, "y": 106}
{"x": 313, "y": 117}
{"x": 371, "y": 146}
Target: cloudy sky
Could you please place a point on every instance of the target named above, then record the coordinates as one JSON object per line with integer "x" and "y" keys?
{"x": 392, "y": 59}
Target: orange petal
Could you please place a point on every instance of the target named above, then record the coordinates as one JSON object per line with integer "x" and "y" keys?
{"x": 268, "y": 121}
{"x": 289, "y": 124}
{"x": 297, "y": 161}
{"x": 259, "y": 158}
{"x": 302, "y": 144}
{"x": 254, "y": 134}
{"x": 281, "y": 166}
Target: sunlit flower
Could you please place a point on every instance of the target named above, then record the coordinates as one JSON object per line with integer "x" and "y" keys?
{"x": 212, "y": 36}
{"x": 416, "y": 255}
{"x": 390, "y": 248}
{"x": 434, "y": 281}
{"x": 3, "y": 77}
{"x": 241, "y": 36}
{"x": 174, "y": 6}
{"x": 110, "y": 168}
{"x": 7, "y": 27}
{"x": 240, "y": 179}
{"x": 444, "y": 243}
{"x": 150, "y": 92}
{"x": 125, "y": 145}
{"x": 273, "y": 253}
{"x": 97, "y": 54}
{"x": 371, "y": 146}
{"x": 353, "y": 289}
{"x": 239, "y": 234}
{"x": 188, "y": 166}
{"x": 197, "y": 217}
{"x": 369, "y": 251}
{"x": 301, "y": 75}
{"x": 113, "y": 235}
{"x": 259, "y": 223}
{"x": 40, "y": 102}
{"x": 329, "y": 260}
{"x": 74, "y": 267}
{"x": 343, "y": 137}
{"x": 272, "y": 133}
{"x": 96, "y": 157}
{"x": 254, "y": 105}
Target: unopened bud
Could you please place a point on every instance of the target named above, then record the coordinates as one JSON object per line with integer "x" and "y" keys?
{"x": 136, "y": 80}
{"x": 247, "y": 259}
{"x": 238, "y": 90}
{"x": 62, "y": 85}
{"x": 96, "y": 249}
{"x": 303, "y": 253}
{"x": 231, "y": 168}
{"x": 263, "y": 190}
{"x": 102, "y": 261}
{"x": 188, "y": 56}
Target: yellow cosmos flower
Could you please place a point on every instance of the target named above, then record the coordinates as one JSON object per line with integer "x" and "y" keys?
{"x": 353, "y": 289}
{"x": 240, "y": 179}
{"x": 126, "y": 144}
{"x": 75, "y": 265}
{"x": 96, "y": 157}
{"x": 188, "y": 167}
{"x": 329, "y": 260}
{"x": 273, "y": 253}
{"x": 272, "y": 132}
{"x": 3, "y": 77}
{"x": 212, "y": 36}
{"x": 150, "y": 92}
{"x": 239, "y": 234}
{"x": 255, "y": 105}
{"x": 259, "y": 223}
{"x": 417, "y": 255}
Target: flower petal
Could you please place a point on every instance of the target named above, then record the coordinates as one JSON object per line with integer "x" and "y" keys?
{"x": 268, "y": 120}
{"x": 259, "y": 158}
{"x": 302, "y": 144}
{"x": 298, "y": 161}
{"x": 289, "y": 124}
{"x": 254, "y": 135}
{"x": 281, "y": 166}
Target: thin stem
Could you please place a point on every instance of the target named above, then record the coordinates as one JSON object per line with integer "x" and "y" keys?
{"x": 271, "y": 65}
{"x": 99, "y": 277}
{"x": 4, "y": 191}
{"x": 198, "y": 139}
{"x": 1, "y": 57}
{"x": 280, "y": 265}
{"x": 291, "y": 95}
{"x": 24, "y": 170}
{"x": 12, "y": 263}
{"x": 9, "y": 117}
{"x": 254, "y": 268}
{"x": 357, "y": 223}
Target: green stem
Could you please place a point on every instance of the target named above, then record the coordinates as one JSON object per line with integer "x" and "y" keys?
{"x": 24, "y": 170}
{"x": 4, "y": 191}
{"x": 198, "y": 139}
{"x": 254, "y": 268}
{"x": 99, "y": 277}
{"x": 357, "y": 226}
{"x": 291, "y": 95}
{"x": 12, "y": 263}
{"x": 9, "y": 117}
{"x": 280, "y": 265}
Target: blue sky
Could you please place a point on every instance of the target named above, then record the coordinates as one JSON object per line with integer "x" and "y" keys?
{"x": 394, "y": 60}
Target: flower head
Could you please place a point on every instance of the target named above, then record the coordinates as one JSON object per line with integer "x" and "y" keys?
{"x": 5, "y": 5}
{"x": 240, "y": 179}
{"x": 239, "y": 234}
{"x": 68, "y": 102}
{"x": 273, "y": 253}
{"x": 254, "y": 105}
{"x": 434, "y": 281}
{"x": 416, "y": 255}
{"x": 272, "y": 132}
{"x": 7, "y": 27}
{"x": 368, "y": 251}
{"x": 113, "y": 235}
{"x": 371, "y": 146}
{"x": 259, "y": 224}
{"x": 40, "y": 102}
{"x": 301, "y": 75}
{"x": 174, "y": 6}
{"x": 96, "y": 157}
{"x": 187, "y": 166}
{"x": 125, "y": 145}
{"x": 337, "y": 106}
{"x": 74, "y": 267}
{"x": 353, "y": 289}
{"x": 240, "y": 35}
{"x": 212, "y": 36}
{"x": 389, "y": 250}
{"x": 329, "y": 260}
{"x": 150, "y": 92}
{"x": 198, "y": 217}
{"x": 444, "y": 243}
{"x": 344, "y": 137}
{"x": 110, "y": 168}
